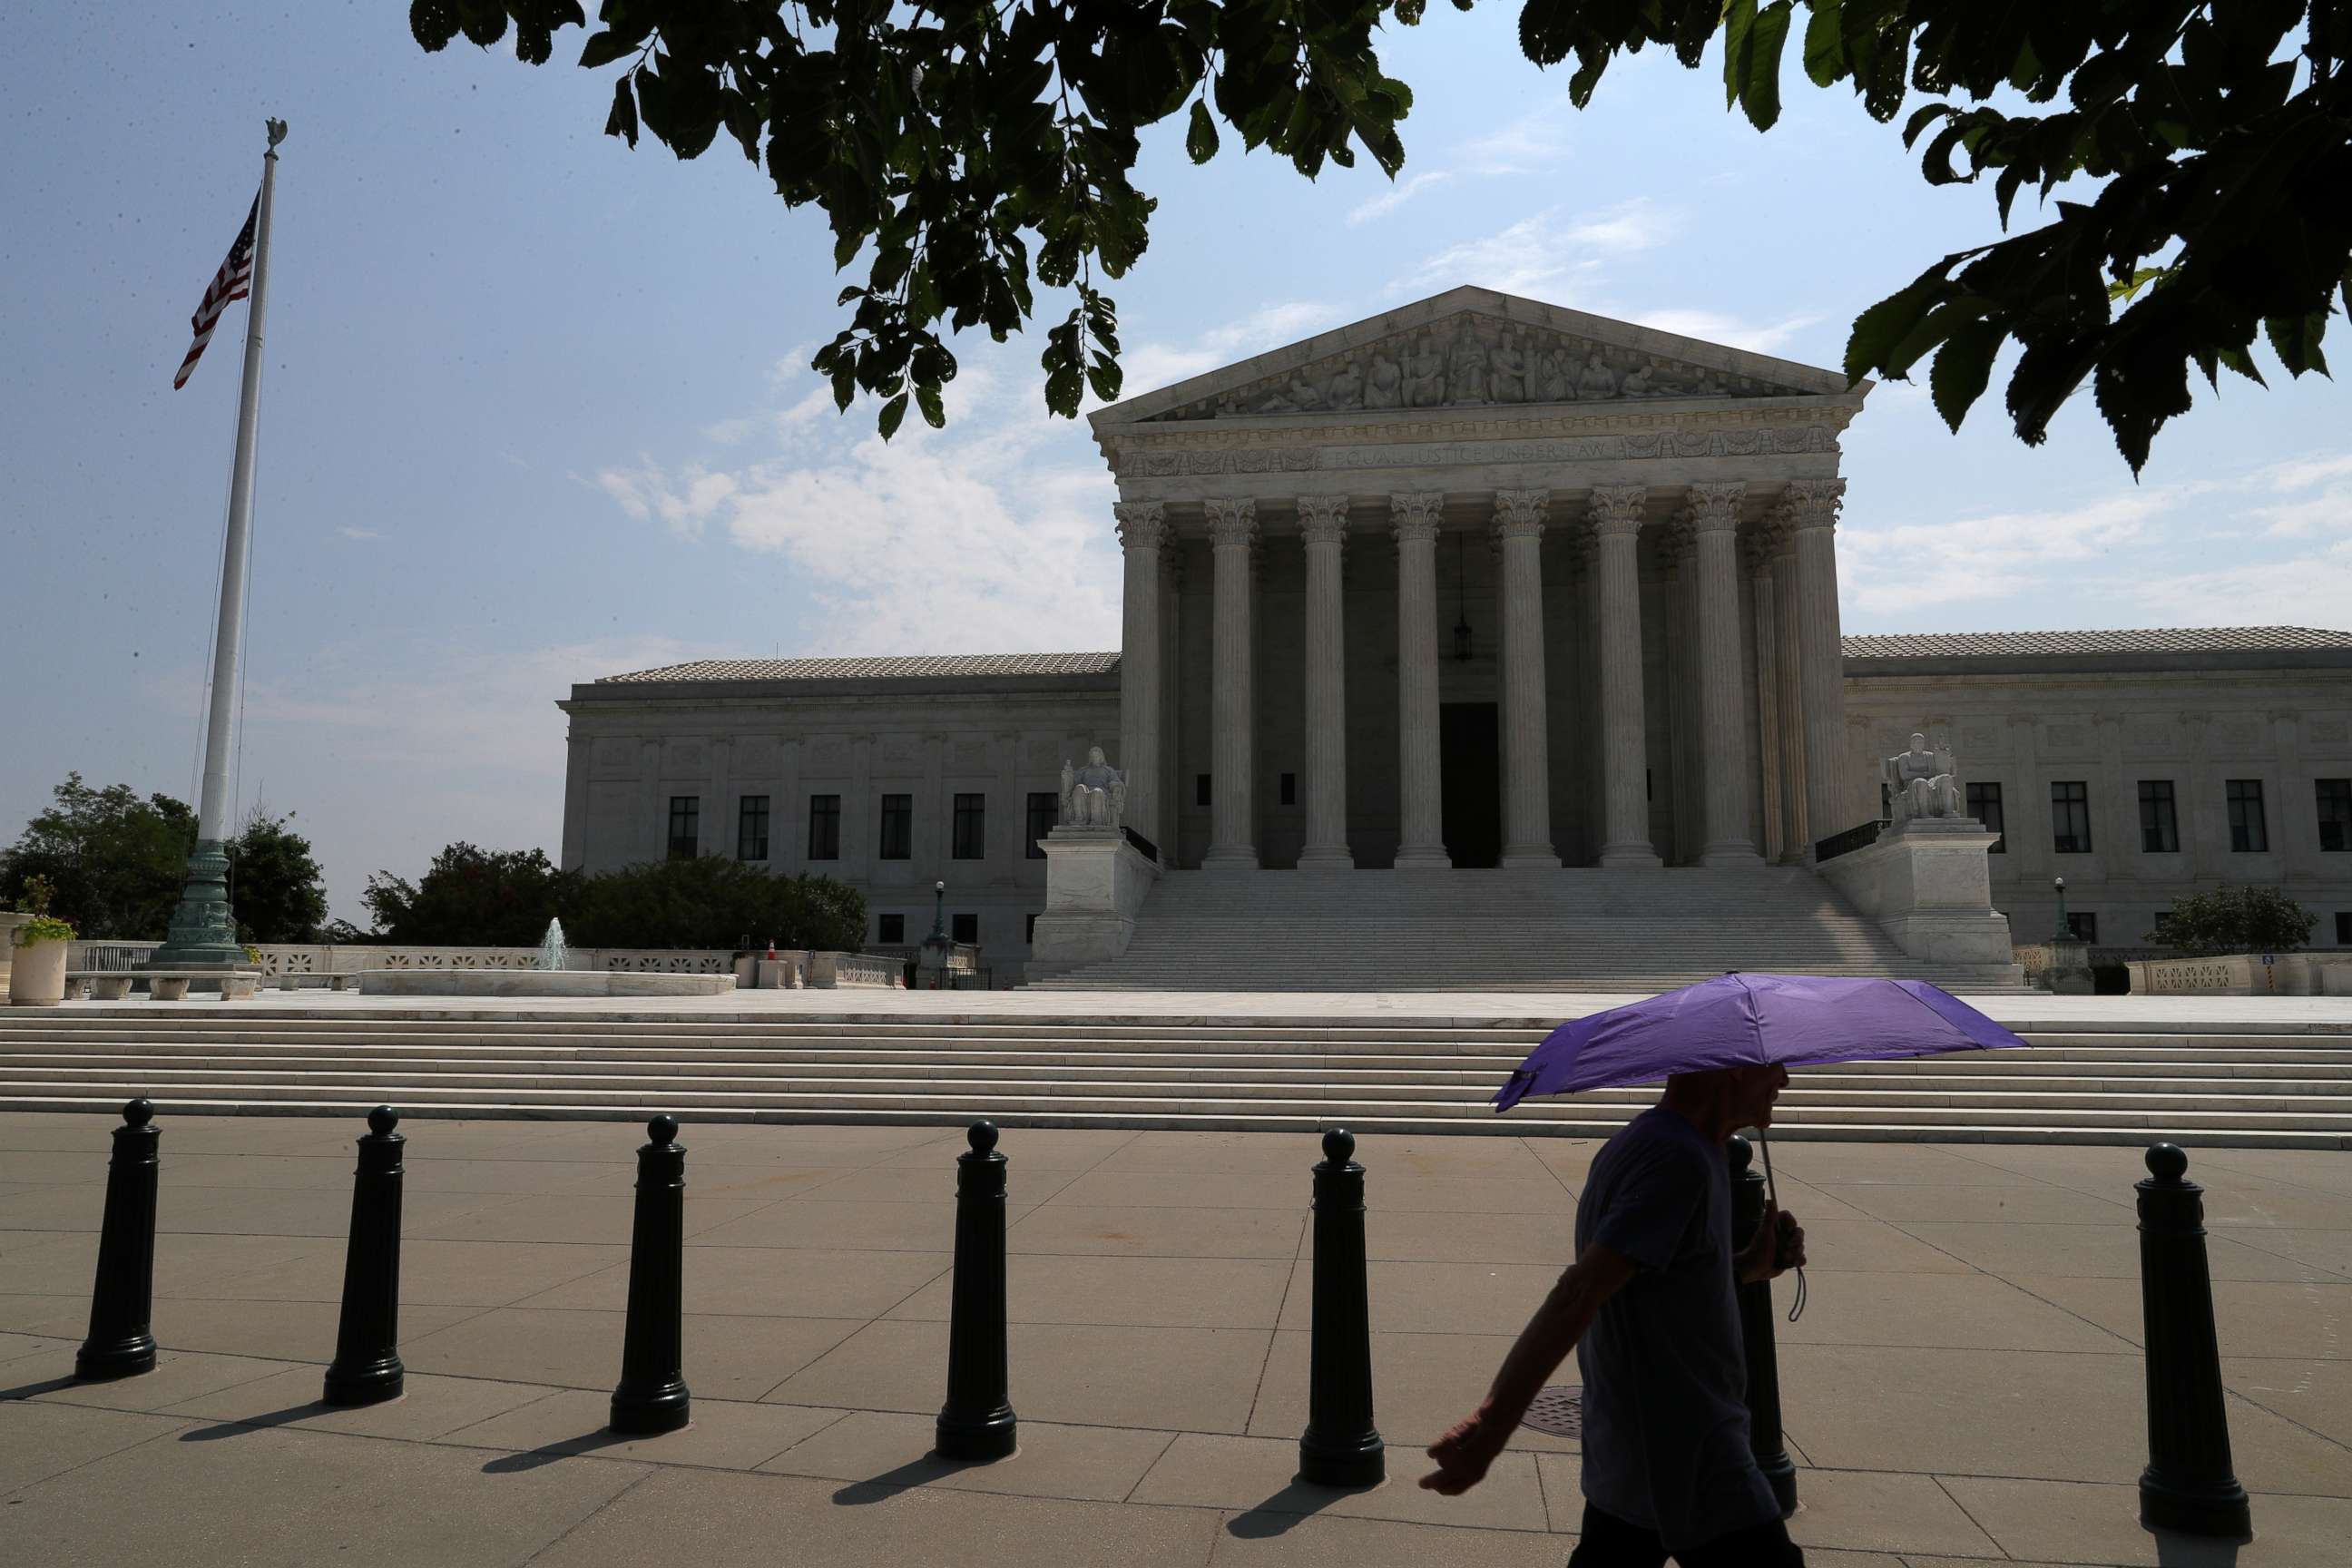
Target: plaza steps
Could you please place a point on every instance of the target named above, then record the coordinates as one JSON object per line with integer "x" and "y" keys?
{"x": 2247, "y": 1085}
{"x": 1581, "y": 929}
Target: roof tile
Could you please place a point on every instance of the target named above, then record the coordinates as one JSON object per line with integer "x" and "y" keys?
{"x": 924, "y": 667}
{"x": 2157, "y": 640}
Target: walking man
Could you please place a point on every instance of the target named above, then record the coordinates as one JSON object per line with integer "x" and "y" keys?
{"x": 1651, "y": 1308}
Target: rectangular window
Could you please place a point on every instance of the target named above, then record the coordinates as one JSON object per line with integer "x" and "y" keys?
{"x": 2335, "y": 813}
{"x": 2084, "y": 927}
{"x": 2344, "y": 927}
{"x": 1044, "y": 807}
{"x": 898, "y": 827}
{"x": 1201, "y": 789}
{"x": 890, "y": 930}
{"x": 2249, "y": 834}
{"x": 1984, "y": 805}
{"x": 965, "y": 927}
{"x": 1290, "y": 789}
{"x": 970, "y": 828}
{"x": 685, "y": 826}
{"x": 2159, "y": 828}
{"x": 2070, "y": 816}
{"x": 824, "y": 828}
{"x": 751, "y": 829}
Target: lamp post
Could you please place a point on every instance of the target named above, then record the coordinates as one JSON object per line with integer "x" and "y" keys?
{"x": 2065, "y": 932}
{"x": 940, "y": 911}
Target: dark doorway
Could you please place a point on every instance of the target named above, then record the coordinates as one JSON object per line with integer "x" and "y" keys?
{"x": 1472, "y": 782}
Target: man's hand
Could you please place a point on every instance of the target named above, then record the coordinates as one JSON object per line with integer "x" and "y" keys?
{"x": 1778, "y": 1247}
{"x": 1464, "y": 1454}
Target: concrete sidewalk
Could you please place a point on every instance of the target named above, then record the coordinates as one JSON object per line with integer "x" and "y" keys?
{"x": 1965, "y": 1385}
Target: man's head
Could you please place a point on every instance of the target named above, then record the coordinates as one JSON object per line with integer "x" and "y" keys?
{"x": 1094, "y": 756}
{"x": 1918, "y": 742}
{"x": 1721, "y": 1101}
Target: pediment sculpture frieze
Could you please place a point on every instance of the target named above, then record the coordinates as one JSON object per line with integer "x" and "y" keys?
{"x": 1472, "y": 361}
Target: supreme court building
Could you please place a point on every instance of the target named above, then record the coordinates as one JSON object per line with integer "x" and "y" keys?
{"x": 1484, "y": 582}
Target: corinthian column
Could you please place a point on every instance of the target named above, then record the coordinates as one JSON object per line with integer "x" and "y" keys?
{"x": 1617, "y": 523}
{"x": 1323, "y": 523}
{"x": 1526, "y": 780}
{"x": 1767, "y": 661}
{"x": 1233, "y": 846}
{"x": 1788, "y": 674}
{"x": 1142, "y": 530}
{"x": 1421, "y": 840}
{"x": 1723, "y": 720}
{"x": 1812, "y": 509}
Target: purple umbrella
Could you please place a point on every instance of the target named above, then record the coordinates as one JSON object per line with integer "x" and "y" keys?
{"x": 1749, "y": 1020}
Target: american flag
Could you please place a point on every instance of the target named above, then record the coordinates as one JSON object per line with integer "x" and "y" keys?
{"x": 233, "y": 282}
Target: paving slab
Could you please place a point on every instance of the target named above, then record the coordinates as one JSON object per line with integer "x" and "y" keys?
{"x": 1267, "y": 1539}
{"x": 2108, "y": 1251}
{"x": 731, "y": 1434}
{"x": 2314, "y": 1394}
{"x": 178, "y": 1376}
{"x": 1422, "y": 1385}
{"x": 428, "y": 1406}
{"x": 768, "y": 1282}
{"x": 826, "y": 1224}
{"x": 715, "y": 1519}
{"x": 1099, "y": 1464}
{"x": 40, "y": 1440}
{"x": 1260, "y": 1475}
{"x": 1146, "y": 1292}
{"x": 1957, "y": 1312}
{"x": 2303, "y": 1319}
{"x": 935, "y": 1182}
{"x": 433, "y": 1273}
{"x": 1196, "y": 1380}
{"x": 607, "y": 1217}
{"x": 1437, "y": 1298}
{"x": 2071, "y": 1523}
{"x": 1155, "y": 1231}
{"x": 283, "y": 1499}
{"x": 725, "y": 1357}
{"x": 1998, "y": 1205}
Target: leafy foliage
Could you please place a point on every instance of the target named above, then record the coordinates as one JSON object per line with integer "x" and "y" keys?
{"x": 275, "y": 884}
{"x": 2219, "y": 136}
{"x": 2233, "y": 919}
{"x": 971, "y": 151}
{"x": 471, "y": 897}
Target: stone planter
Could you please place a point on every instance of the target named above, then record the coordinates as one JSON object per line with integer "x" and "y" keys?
{"x": 36, "y": 974}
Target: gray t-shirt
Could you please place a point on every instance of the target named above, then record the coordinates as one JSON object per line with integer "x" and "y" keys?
{"x": 1665, "y": 1381}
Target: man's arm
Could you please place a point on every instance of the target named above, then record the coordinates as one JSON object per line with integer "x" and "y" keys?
{"x": 1463, "y": 1454}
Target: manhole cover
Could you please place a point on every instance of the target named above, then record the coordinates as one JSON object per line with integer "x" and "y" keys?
{"x": 1557, "y": 1410}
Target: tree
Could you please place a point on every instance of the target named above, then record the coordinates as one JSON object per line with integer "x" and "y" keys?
{"x": 712, "y": 902}
{"x": 948, "y": 142}
{"x": 115, "y": 860}
{"x": 274, "y": 881}
{"x": 474, "y": 898}
{"x": 2233, "y": 919}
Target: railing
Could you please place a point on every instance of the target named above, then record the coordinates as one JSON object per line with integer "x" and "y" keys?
{"x": 1861, "y": 837}
{"x": 1143, "y": 847}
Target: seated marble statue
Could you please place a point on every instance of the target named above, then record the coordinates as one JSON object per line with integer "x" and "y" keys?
{"x": 1093, "y": 795}
{"x": 1922, "y": 784}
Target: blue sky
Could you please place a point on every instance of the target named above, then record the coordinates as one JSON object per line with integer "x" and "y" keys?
{"x": 537, "y": 406}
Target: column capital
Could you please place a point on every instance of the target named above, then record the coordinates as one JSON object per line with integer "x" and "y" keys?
{"x": 1413, "y": 514}
{"x": 1715, "y": 508}
{"x": 1811, "y": 503}
{"x": 1231, "y": 524}
{"x": 1617, "y": 509}
{"x": 1142, "y": 524}
{"x": 1519, "y": 514}
{"x": 1759, "y": 548}
{"x": 1323, "y": 519}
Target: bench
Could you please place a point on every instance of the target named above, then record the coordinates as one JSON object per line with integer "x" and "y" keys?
{"x": 163, "y": 984}
{"x": 294, "y": 981}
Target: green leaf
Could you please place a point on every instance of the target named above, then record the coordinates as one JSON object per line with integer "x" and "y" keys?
{"x": 1963, "y": 366}
{"x": 1825, "y": 57}
{"x": 1878, "y": 330}
{"x": 432, "y": 23}
{"x": 927, "y": 398}
{"x": 603, "y": 49}
{"x": 623, "y": 120}
{"x": 893, "y": 413}
{"x": 1200, "y": 140}
{"x": 2295, "y": 340}
{"x": 1752, "y": 59}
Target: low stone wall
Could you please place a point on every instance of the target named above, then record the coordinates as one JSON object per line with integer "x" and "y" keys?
{"x": 827, "y": 969}
{"x": 281, "y": 960}
{"x": 438, "y": 981}
{"x": 2245, "y": 974}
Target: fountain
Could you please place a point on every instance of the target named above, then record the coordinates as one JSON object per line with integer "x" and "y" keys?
{"x": 551, "y": 975}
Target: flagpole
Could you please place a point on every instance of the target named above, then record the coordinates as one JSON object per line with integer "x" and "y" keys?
{"x": 204, "y": 928}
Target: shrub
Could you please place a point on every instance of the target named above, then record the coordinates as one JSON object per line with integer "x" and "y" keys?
{"x": 2235, "y": 920}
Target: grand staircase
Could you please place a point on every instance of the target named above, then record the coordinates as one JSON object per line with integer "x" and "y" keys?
{"x": 2247, "y": 1085}
{"x": 1570, "y": 929}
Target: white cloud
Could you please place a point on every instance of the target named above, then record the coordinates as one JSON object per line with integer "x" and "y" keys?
{"x": 1532, "y": 143}
{"x": 350, "y": 531}
{"x": 2308, "y": 590}
{"x": 1894, "y": 569}
{"x": 1396, "y": 195}
{"x": 2301, "y": 473}
{"x": 1522, "y": 258}
{"x": 1151, "y": 365}
{"x": 1712, "y": 327}
{"x": 682, "y": 503}
{"x": 1629, "y": 227}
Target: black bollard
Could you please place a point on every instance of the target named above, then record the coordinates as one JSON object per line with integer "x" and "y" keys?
{"x": 977, "y": 1421}
{"x": 2189, "y": 1484}
{"x": 652, "y": 1395}
{"x": 1756, "y": 1335}
{"x": 366, "y": 1368}
{"x": 1340, "y": 1447}
{"x": 122, "y": 1301}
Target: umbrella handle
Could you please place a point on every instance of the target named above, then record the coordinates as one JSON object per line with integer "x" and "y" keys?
{"x": 1772, "y": 1192}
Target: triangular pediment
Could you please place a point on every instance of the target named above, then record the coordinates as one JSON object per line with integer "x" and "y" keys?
{"x": 1472, "y": 348}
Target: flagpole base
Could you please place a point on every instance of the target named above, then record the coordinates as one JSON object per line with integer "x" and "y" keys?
{"x": 203, "y": 927}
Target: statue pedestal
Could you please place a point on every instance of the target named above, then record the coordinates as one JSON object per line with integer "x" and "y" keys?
{"x": 2068, "y": 973}
{"x": 1095, "y": 882}
{"x": 1927, "y": 884}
